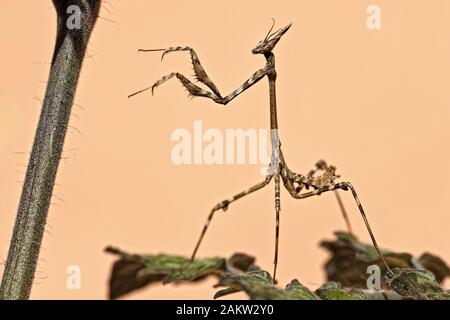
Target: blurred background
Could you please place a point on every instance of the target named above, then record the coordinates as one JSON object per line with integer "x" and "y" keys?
{"x": 375, "y": 103}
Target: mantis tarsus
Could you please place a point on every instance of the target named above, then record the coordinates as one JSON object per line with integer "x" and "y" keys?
{"x": 294, "y": 183}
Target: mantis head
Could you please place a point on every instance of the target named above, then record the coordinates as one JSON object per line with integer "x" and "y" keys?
{"x": 271, "y": 39}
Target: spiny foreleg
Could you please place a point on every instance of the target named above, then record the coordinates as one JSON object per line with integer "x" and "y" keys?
{"x": 199, "y": 71}
{"x": 200, "y": 74}
{"x": 194, "y": 90}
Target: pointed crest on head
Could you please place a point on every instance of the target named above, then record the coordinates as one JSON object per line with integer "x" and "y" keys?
{"x": 270, "y": 40}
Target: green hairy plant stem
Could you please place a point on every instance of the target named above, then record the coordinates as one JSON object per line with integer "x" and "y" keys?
{"x": 37, "y": 190}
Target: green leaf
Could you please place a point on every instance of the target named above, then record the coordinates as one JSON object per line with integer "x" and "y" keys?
{"x": 347, "y": 270}
{"x": 350, "y": 258}
{"x": 416, "y": 284}
{"x": 258, "y": 285}
{"x": 335, "y": 291}
{"x": 132, "y": 271}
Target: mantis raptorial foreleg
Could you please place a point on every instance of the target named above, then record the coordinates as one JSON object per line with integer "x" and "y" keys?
{"x": 201, "y": 76}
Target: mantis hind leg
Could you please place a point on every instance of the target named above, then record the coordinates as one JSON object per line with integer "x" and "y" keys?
{"x": 277, "y": 225}
{"x": 224, "y": 206}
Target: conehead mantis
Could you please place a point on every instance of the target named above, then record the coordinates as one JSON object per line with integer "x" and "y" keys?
{"x": 320, "y": 180}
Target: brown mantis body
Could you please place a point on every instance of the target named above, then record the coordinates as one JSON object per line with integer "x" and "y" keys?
{"x": 295, "y": 183}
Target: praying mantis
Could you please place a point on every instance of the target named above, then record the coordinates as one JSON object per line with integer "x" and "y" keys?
{"x": 299, "y": 186}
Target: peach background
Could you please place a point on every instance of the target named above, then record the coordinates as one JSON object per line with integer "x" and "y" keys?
{"x": 374, "y": 103}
